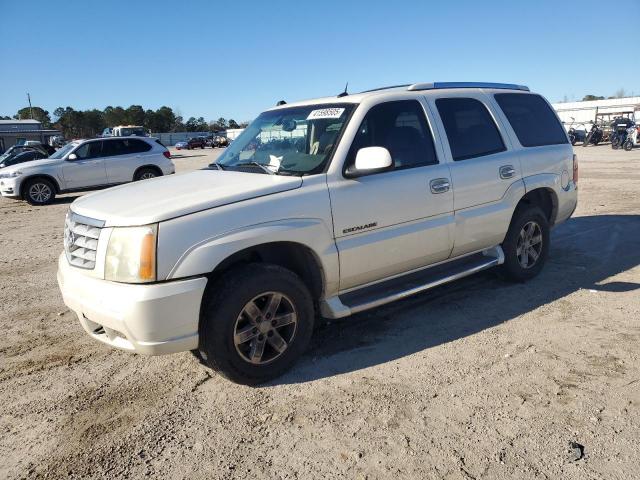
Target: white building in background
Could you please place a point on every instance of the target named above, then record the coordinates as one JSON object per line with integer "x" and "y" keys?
{"x": 585, "y": 112}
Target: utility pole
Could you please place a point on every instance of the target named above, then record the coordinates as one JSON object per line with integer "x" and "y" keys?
{"x": 30, "y": 108}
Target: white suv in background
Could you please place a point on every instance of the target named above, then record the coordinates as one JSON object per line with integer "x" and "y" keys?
{"x": 86, "y": 165}
{"x": 325, "y": 207}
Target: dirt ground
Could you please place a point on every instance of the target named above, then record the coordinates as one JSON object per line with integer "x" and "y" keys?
{"x": 477, "y": 379}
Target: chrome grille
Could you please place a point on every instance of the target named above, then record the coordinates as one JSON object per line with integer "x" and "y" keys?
{"x": 81, "y": 240}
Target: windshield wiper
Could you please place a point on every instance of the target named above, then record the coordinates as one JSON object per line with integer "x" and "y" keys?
{"x": 256, "y": 164}
{"x": 214, "y": 165}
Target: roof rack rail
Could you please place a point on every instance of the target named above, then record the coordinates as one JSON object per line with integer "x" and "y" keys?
{"x": 386, "y": 88}
{"x": 441, "y": 85}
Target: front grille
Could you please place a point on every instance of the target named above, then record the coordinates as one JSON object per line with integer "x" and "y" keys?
{"x": 81, "y": 240}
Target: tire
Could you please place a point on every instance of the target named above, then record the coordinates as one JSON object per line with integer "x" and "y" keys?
{"x": 226, "y": 311}
{"x": 628, "y": 145}
{"x": 39, "y": 191}
{"x": 515, "y": 266}
{"x": 615, "y": 143}
{"x": 145, "y": 174}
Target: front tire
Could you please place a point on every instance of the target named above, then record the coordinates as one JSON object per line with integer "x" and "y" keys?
{"x": 255, "y": 323}
{"x": 628, "y": 145}
{"x": 39, "y": 191}
{"x": 526, "y": 245}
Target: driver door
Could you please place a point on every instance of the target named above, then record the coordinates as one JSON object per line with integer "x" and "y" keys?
{"x": 394, "y": 221}
{"x": 88, "y": 169}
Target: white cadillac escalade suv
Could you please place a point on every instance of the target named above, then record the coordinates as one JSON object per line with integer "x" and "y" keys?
{"x": 325, "y": 207}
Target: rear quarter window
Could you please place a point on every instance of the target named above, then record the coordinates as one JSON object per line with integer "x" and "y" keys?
{"x": 532, "y": 119}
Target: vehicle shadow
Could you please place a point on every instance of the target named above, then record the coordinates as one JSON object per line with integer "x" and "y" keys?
{"x": 64, "y": 200}
{"x": 585, "y": 252}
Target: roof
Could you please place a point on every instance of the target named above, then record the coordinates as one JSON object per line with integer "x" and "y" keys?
{"x": 19, "y": 122}
{"x": 416, "y": 88}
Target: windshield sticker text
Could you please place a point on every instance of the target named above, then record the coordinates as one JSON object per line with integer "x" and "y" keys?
{"x": 325, "y": 113}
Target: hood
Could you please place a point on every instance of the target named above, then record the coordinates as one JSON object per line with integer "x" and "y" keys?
{"x": 31, "y": 164}
{"x": 162, "y": 198}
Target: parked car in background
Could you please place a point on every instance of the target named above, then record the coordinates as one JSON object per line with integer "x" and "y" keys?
{"x": 18, "y": 149}
{"x": 195, "y": 142}
{"x": 181, "y": 145}
{"x": 42, "y": 146}
{"x": 85, "y": 165}
{"x": 388, "y": 194}
{"x": 23, "y": 157}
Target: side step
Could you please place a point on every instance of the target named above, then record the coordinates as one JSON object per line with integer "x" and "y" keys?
{"x": 410, "y": 284}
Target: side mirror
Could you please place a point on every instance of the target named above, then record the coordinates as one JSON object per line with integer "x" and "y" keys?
{"x": 370, "y": 160}
{"x": 72, "y": 157}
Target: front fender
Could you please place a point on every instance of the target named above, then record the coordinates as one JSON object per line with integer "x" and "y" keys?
{"x": 204, "y": 256}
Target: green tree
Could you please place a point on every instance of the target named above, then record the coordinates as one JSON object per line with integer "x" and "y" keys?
{"x": 233, "y": 123}
{"x": 38, "y": 114}
{"x": 135, "y": 115}
{"x": 114, "y": 116}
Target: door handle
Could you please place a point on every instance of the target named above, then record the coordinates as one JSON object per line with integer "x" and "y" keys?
{"x": 507, "y": 171}
{"x": 439, "y": 185}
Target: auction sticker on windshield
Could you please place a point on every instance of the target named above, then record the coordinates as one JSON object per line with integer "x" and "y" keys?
{"x": 325, "y": 113}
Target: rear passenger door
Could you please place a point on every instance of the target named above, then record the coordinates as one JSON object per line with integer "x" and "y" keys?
{"x": 123, "y": 157}
{"x": 394, "y": 221}
{"x": 484, "y": 169}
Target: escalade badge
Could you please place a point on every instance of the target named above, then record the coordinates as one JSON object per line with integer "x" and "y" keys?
{"x": 360, "y": 227}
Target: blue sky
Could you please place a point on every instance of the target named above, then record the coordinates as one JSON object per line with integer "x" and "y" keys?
{"x": 234, "y": 59}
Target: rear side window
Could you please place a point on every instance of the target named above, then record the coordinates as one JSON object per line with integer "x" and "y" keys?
{"x": 532, "y": 119}
{"x": 401, "y": 128}
{"x": 113, "y": 148}
{"x": 470, "y": 129}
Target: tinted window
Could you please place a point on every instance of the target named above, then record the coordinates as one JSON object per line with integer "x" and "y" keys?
{"x": 532, "y": 119}
{"x": 132, "y": 145}
{"x": 401, "y": 128}
{"x": 89, "y": 150}
{"x": 113, "y": 147}
{"x": 470, "y": 129}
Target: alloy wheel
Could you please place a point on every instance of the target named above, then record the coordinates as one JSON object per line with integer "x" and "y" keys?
{"x": 529, "y": 245}
{"x": 40, "y": 192}
{"x": 265, "y": 328}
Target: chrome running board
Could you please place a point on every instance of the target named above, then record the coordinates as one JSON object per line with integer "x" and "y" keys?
{"x": 410, "y": 284}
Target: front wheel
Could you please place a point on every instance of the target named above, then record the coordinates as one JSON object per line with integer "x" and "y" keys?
{"x": 39, "y": 192}
{"x": 628, "y": 145}
{"x": 526, "y": 245}
{"x": 255, "y": 323}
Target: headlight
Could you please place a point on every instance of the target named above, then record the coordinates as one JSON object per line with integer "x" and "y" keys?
{"x": 10, "y": 175}
{"x": 131, "y": 254}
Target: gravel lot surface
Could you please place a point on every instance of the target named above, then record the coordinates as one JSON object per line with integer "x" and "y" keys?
{"x": 478, "y": 379}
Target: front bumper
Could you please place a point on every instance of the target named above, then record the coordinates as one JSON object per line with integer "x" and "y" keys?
{"x": 10, "y": 187}
{"x": 151, "y": 319}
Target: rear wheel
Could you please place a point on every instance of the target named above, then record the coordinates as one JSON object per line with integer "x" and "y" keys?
{"x": 628, "y": 145}
{"x": 39, "y": 191}
{"x": 526, "y": 245}
{"x": 255, "y": 323}
{"x": 145, "y": 174}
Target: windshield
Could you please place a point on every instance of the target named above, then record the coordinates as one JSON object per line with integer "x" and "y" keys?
{"x": 64, "y": 150}
{"x": 293, "y": 141}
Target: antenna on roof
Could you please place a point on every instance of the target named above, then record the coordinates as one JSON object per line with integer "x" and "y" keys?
{"x": 345, "y": 93}
{"x": 281, "y": 102}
